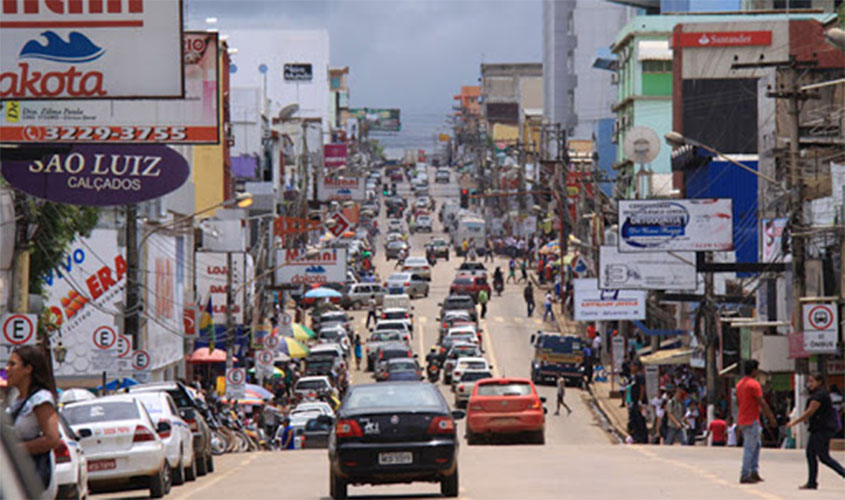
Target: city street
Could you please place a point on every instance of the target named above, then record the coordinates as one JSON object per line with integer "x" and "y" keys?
{"x": 579, "y": 460}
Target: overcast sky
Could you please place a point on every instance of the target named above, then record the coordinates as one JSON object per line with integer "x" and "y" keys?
{"x": 410, "y": 54}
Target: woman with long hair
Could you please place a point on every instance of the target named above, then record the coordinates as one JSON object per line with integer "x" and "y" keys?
{"x": 32, "y": 410}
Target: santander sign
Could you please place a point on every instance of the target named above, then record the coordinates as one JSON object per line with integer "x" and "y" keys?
{"x": 90, "y": 49}
{"x": 726, "y": 39}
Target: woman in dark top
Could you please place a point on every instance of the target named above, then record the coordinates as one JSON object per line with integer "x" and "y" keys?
{"x": 822, "y": 427}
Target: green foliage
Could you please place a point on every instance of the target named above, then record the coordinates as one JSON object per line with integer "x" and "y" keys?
{"x": 57, "y": 227}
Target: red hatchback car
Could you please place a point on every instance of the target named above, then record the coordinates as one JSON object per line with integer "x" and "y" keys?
{"x": 505, "y": 406}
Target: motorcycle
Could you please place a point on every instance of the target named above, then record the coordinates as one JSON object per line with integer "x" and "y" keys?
{"x": 433, "y": 373}
{"x": 499, "y": 285}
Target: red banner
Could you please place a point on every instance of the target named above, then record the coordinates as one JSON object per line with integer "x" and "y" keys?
{"x": 725, "y": 39}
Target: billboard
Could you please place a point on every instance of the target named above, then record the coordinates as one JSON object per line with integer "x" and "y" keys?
{"x": 592, "y": 304}
{"x": 646, "y": 271}
{"x": 295, "y": 267}
{"x": 91, "y": 50}
{"x": 334, "y": 155}
{"x": 164, "y": 285}
{"x": 192, "y": 120}
{"x": 378, "y": 119}
{"x": 82, "y": 295}
{"x": 771, "y": 240}
{"x": 341, "y": 189}
{"x": 211, "y": 281}
{"x": 691, "y": 225}
{"x": 99, "y": 174}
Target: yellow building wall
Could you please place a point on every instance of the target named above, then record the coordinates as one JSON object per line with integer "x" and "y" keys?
{"x": 208, "y": 178}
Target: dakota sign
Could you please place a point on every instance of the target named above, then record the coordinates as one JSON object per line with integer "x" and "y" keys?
{"x": 338, "y": 189}
{"x": 100, "y": 175}
{"x": 298, "y": 267}
{"x": 658, "y": 225}
{"x": 192, "y": 120}
{"x": 726, "y": 39}
{"x": 90, "y": 49}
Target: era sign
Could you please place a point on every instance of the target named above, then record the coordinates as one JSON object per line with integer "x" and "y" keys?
{"x": 63, "y": 49}
{"x": 99, "y": 175}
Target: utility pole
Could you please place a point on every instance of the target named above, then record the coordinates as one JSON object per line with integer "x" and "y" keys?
{"x": 131, "y": 310}
{"x": 230, "y": 317}
{"x": 709, "y": 311}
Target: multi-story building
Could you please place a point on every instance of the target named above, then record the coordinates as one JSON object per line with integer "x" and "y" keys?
{"x": 507, "y": 90}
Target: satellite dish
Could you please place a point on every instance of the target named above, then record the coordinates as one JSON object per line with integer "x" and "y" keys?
{"x": 641, "y": 145}
{"x": 288, "y": 111}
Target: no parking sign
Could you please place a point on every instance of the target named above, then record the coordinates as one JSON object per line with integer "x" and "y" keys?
{"x": 235, "y": 383}
{"x": 264, "y": 362}
{"x": 18, "y": 330}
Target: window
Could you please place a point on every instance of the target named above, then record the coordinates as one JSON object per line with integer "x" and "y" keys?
{"x": 657, "y": 66}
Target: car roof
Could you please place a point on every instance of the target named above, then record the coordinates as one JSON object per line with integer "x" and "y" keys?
{"x": 394, "y": 309}
{"x": 457, "y": 313}
{"x": 455, "y": 298}
{"x": 401, "y": 360}
{"x": 155, "y": 386}
{"x": 313, "y": 378}
{"x": 327, "y": 347}
{"x": 472, "y": 359}
{"x": 393, "y": 344}
{"x": 113, "y": 398}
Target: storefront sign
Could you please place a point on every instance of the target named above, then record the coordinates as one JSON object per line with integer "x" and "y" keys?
{"x": 211, "y": 280}
{"x": 658, "y": 225}
{"x": 53, "y": 49}
{"x": 298, "y": 267}
{"x": 341, "y": 189}
{"x": 99, "y": 174}
{"x": 726, "y": 39}
{"x": 334, "y": 155}
{"x": 593, "y": 304}
{"x": 299, "y": 72}
{"x": 821, "y": 326}
{"x": 192, "y": 120}
{"x": 646, "y": 271}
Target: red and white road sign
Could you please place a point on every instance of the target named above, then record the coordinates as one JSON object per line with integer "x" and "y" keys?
{"x": 265, "y": 358}
{"x": 235, "y": 383}
{"x": 19, "y": 329}
{"x": 104, "y": 338}
{"x": 341, "y": 224}
{"x": 140, "y": 360}
{"x": 821, "y": 327}
{"x": 124, "y": 346}
{"x": 285, "y": 320}
{"x": 272, "y": 342}
{"x": 189, "y": 320}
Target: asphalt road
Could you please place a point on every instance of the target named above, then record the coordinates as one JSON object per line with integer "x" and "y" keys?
{"x": 579, "y": 460}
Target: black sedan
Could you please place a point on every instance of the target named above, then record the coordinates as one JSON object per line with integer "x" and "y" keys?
{"x": 394, "y": 432}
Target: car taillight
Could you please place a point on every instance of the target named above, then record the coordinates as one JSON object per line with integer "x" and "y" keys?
{"x": 164, "y": 434}
{"x": 410, "y": 354}
{"x": 407, "y": 283}
{"x": 461, "y": 387}
{"x": 442, "y": 425}
{"x": 407, "y": 315}
{"x": 442, "y": 350}
{"x": 367, "y": 349}
{"x": 384, "y": 316}
{"x": 192, "y": 423}
{"x": 381, "y": 355}
{"x": 536, "y": 405}
{"x": 62, "y": 453}
{"x": 445, "y": 325}
{"x": 348, "y": 428}
{"x": 143, "y": 434}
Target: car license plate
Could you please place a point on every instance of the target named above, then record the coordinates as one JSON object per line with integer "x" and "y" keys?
{"x": 395, "y": 458}
{"x": 98, "y": 465}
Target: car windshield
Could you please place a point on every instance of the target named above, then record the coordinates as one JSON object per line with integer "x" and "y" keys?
{"x": 310, "y": 384}
{"x": 462, "y": 281}
{"x": 399, "y": 277}
{"x": 395, "y": 353}
{"x": 329, "y": 334}
{"x": 459, "y": 303}
{"x": 508, "y": 389}
{"x": 384, "y": 336}
{"x": 473, "y": 376}
{"x": 474, "y": 365}
{"x": 395, "y": 315}
{"x": 101, "y": 412}
{"x": 403, "y": 365}
{"x": 403, "y": 395}
{"x": 316, "y": 425}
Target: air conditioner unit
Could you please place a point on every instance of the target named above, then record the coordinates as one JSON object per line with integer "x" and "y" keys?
{"x": 614, "y": 78}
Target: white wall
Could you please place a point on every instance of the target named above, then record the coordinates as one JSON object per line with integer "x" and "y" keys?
{"x": 275, "y": 48}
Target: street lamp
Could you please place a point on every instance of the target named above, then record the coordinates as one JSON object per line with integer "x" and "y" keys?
{"x": 676, "y": 139}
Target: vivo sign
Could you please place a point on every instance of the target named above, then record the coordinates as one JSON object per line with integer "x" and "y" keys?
{"x": 90, "y": 49}
{"x": 100, "y": 175}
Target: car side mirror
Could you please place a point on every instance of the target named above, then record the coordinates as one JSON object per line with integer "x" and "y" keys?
{"x": 187, "y": 414}
{"x": 163, "y": 427}
{"x": 545, "y": 410}
{"x": 84, "y": 433}
{"x": 439, "y": 304}
{"x": 458, "y": 414}
{"x": 542, "y": 399}
{"x": 416, "y": 356}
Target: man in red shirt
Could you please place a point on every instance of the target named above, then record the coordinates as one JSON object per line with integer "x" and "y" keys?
{"x": 749, "y": 396}
{"x": 718, "y": 428}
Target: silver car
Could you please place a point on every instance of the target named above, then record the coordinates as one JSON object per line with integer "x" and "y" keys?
{"x": 464, "y": 386}
{"x": 394, "y": 248}
{"x": 410, "y": 283}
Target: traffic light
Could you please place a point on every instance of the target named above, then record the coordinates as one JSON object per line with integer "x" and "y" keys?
{"x": 464, "y": 198}
{"x": 385, "y": 190}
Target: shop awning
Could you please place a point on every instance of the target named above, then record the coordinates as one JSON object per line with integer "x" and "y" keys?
{"x": 679, "y": 356}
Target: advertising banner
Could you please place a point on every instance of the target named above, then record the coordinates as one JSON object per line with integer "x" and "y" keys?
{"x": 771, "y": 240}
{"x": 821, "y": 327}
{"x": 379, "y": 119}
{"x": 192, "y": 120}
{"x": 646, "y": 271}
{"x": 90, "y": 50}
{"x": 164, "y": 286}
{"x": 592, "y": 304}
{"x": 340, "y": 189}
{"x": 82, "y": 294}
{"x": 297, "y": 267}
{"x": 697, "y": 225}
{"x": 211, "y": 279}
{"x": 334, "y": 155}
{"x": 99, "y": 174}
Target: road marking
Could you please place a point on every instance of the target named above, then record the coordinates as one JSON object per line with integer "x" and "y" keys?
{"x": 708, "y": 475}
{"x": 488, "y": 346}
{"x": 219, "y": 477}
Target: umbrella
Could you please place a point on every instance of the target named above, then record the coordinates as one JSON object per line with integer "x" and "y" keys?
{"x": 322, "y": 293}
{"x": 257, "y": 389}
{"x": 293, "y": 348}
{"x": 74, "y": 395}
{"x": 202, "y": 355}
{"x": 246, "y": 400}
{"x": 277, "y": 372}
{"x": 302, "y": 332}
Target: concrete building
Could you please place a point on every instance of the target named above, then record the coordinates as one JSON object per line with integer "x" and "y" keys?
{"x": 507, "y": 90}
{"x": 338, "y": 99}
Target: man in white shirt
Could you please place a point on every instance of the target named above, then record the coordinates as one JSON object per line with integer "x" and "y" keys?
{"x": 548, "y": 304}
{"x": 597, "y": 345}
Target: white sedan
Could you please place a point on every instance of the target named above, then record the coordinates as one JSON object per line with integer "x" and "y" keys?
{"x": 121, "y": 442}
{"x": 71, "y": 464}
{"x": 179, "y": 441}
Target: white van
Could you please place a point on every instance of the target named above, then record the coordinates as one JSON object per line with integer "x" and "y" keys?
{"x": 470, "y": 227}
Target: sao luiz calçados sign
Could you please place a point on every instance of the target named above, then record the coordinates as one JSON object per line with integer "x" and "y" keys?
{"x": 99, "y": 174}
